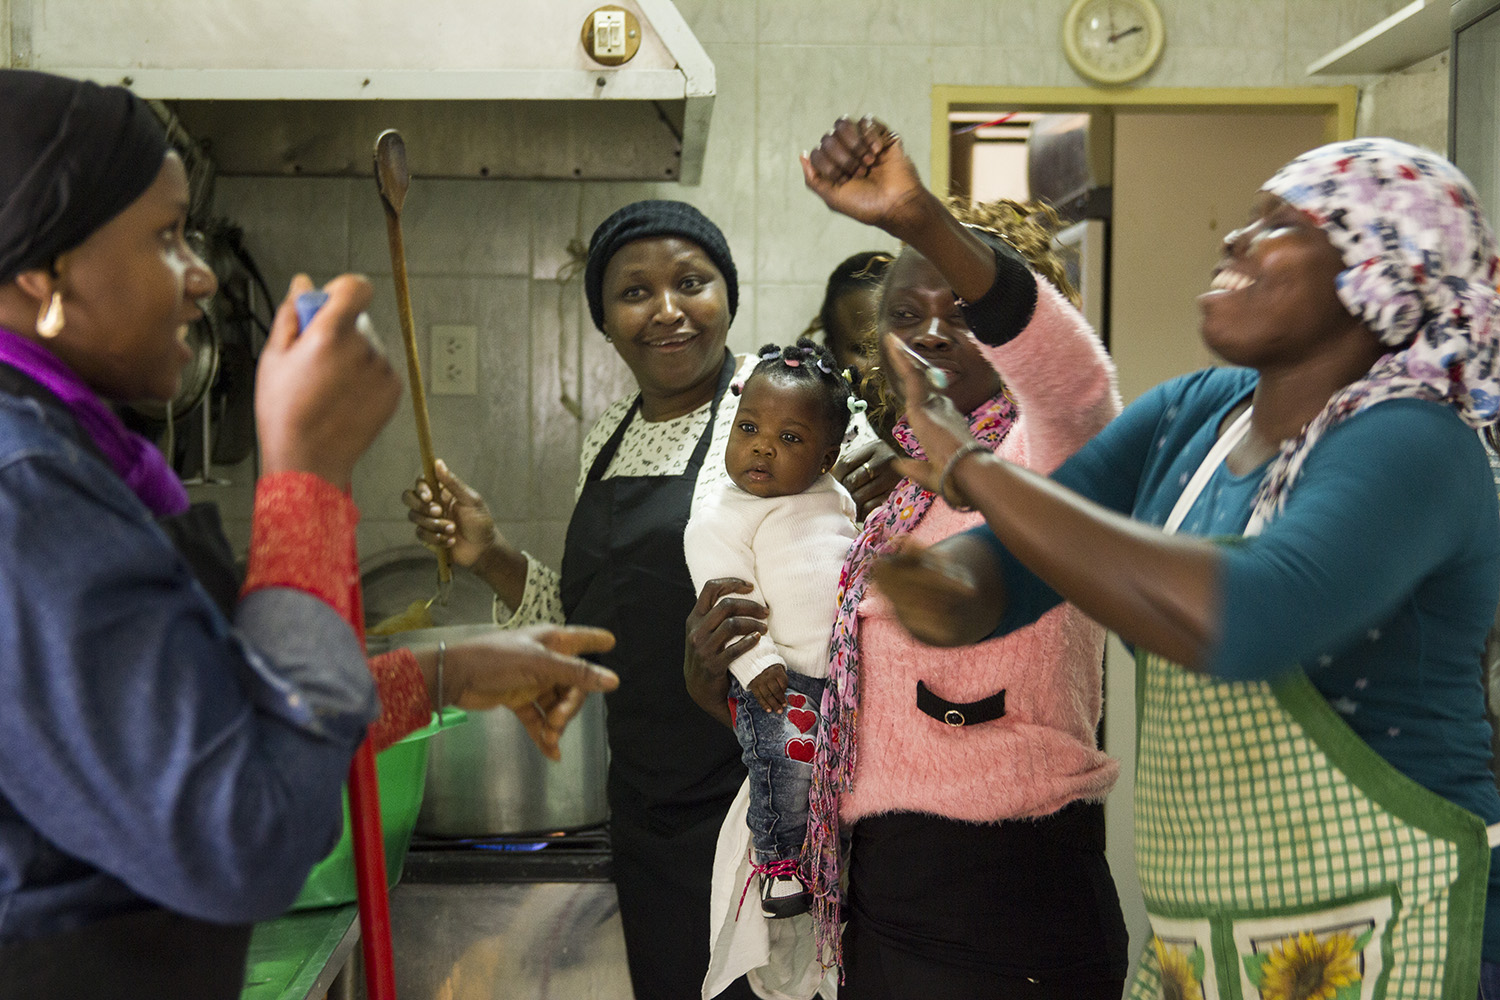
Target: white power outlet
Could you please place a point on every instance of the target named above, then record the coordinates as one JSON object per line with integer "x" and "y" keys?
{"x": 609, "y": 33}
{"x": 454, "y": 360}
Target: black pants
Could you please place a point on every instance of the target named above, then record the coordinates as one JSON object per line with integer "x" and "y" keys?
{"x": 1025, "y": 908}
{"x": 148, "y": 953}
{"x": 663, "y": 872}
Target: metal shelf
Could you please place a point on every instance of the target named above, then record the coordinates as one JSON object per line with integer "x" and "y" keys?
{"x": 1413, "y": 33}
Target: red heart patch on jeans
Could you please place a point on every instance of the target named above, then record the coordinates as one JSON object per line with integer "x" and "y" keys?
{"x": 796, "y": 701}
{"x": 802, "y": 719}
{"x": 802, "y": 750}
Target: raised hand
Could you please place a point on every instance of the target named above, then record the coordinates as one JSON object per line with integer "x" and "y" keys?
{"x": 860, "y": 169}
{"x": 322, "y": 394}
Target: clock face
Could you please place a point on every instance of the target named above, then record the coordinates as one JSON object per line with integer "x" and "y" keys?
{"x": 1113, "y": 41}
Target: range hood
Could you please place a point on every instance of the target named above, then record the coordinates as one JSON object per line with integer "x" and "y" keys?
{"x": 478, "y": 88}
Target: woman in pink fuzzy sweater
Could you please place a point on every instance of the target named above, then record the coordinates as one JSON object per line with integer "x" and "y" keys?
{"x": 960, "y": 790}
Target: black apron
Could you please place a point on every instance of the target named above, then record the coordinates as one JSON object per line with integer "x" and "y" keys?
{"x": 151, "y": 952}
{"x": 673, "y": 769}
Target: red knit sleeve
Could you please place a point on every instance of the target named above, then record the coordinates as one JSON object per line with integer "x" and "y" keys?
{"x": 302, "y": 536}
{"x": 404, "y": 702}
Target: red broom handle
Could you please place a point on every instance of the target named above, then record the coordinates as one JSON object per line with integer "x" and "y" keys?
{"x": 369, "y": 855}
{"x": 369, "y": 877}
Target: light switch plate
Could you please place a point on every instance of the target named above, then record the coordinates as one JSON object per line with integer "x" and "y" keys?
{"x": 609, "y": 34}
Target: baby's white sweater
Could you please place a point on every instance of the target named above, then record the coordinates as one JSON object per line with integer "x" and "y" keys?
{"x": 792, "y": 549}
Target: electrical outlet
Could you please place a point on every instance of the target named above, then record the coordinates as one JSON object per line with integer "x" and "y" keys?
{"x": 609, "y": 33}
{"x": 454, "y": 360}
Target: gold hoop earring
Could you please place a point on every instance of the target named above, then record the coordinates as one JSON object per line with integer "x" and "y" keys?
{"x": 50, "y": 323}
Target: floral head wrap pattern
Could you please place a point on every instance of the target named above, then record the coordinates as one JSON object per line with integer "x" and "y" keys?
{"x": 1420, "y": 272}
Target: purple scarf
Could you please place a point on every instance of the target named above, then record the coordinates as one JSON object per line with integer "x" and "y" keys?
{"x": 135, "y": 459}
{"x": 833, "y": 767}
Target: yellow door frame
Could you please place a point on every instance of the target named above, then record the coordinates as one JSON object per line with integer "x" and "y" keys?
{"x": 1337, "y": 104}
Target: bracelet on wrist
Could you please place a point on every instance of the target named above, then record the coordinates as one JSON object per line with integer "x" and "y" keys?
{"x": 947, "y": 489}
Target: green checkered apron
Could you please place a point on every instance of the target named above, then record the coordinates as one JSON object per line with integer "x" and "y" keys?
{"x": 1281, "y": 858}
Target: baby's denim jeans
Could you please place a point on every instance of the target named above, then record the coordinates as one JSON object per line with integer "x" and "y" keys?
{"x": 778, "y": 752}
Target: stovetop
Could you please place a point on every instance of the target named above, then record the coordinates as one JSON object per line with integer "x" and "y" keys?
{"x": 564, "y": 856}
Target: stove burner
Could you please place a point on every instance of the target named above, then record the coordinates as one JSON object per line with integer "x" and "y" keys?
{"x": 563, "y": 856}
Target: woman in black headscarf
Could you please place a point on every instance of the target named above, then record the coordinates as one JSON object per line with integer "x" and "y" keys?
{"x": 168, "y": 777}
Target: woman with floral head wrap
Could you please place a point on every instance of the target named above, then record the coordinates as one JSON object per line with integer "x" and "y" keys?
{"x": 170, "y": 761}
{"x": 1304, "y": 550}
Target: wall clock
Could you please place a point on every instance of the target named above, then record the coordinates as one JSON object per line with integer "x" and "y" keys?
{"x": 1113, "y": 41}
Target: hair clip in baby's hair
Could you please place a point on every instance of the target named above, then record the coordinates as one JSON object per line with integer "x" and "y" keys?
{"x": 737, "y": 386}
{"x": 770, "y": 354}
{"x": 824, "y": 366}
{"x": 792, "y": 362}
{"x": 856, "y": 405}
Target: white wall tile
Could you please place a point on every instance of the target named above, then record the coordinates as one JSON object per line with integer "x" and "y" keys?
{"x": 1401, "y": 105}
{"x": 291, "y": 224}
{"x": 1322, "y": 25}
{"x": 784, "y": 310}
{"x": 1260, "y": 24}
{"x": 1225, "y": 65}
{"x": 989, "y": 66}
{"x": 873, "y": 22}
{"x": 485, "y": 438}
{"x": 557, "y": 319}
{"x": 797, "y": 238}
{"x": 448, "y": 227}
{"x": 713, "y": 21}
{"x": 1009, "y": 24}
{"x": 556, "y": 221}
{"x": 744, "y": 331}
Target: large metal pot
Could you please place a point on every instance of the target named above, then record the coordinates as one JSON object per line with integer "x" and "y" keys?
{"x": 486, "y": 777}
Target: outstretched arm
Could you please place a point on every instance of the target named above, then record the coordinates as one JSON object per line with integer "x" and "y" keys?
{"x": 1158, "y": 591}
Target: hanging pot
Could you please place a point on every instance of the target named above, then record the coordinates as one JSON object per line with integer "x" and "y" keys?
{"x": 197, "y": 376}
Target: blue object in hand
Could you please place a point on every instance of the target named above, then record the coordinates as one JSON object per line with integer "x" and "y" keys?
{"x": 308, "y": 304}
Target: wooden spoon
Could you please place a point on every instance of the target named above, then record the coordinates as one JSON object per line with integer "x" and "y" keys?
{"x": 392, "y": 178}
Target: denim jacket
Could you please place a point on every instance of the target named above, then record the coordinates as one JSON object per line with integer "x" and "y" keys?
{"x": 151, "y": 751}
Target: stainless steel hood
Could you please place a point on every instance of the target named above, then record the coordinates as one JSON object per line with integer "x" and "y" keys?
{"x": 478, "y": 88}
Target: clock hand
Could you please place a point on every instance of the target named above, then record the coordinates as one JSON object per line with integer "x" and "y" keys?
{"x": 1115, "y": 36}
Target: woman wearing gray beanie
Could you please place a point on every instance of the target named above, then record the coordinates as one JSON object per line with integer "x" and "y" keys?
{"x": 662, "y": 288}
